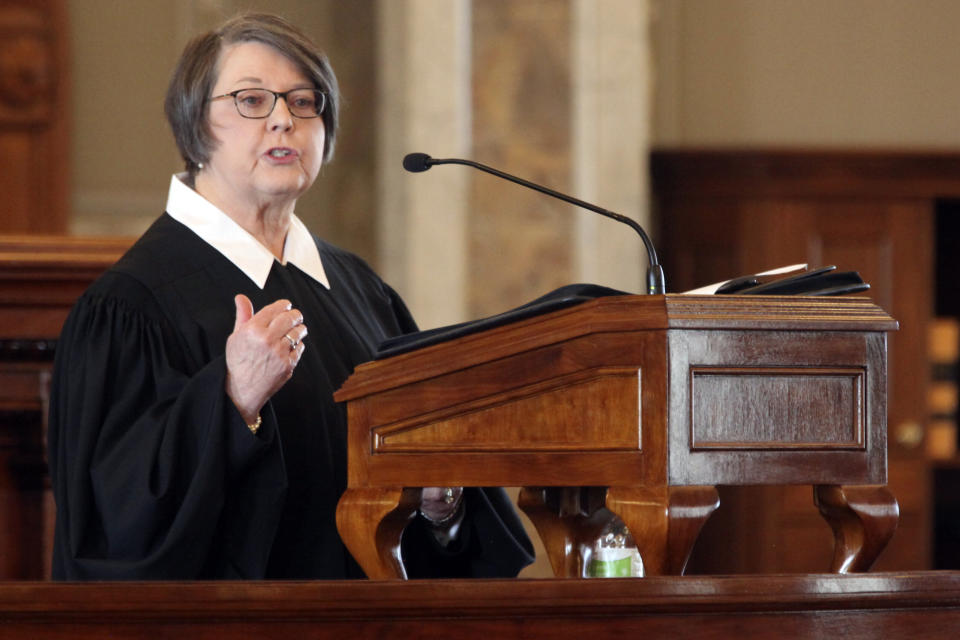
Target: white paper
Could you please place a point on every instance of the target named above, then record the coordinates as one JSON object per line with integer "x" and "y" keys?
{"x": 711, "y": 289}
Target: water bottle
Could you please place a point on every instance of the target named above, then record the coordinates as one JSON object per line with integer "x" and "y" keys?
{"x": 614, "y": 554}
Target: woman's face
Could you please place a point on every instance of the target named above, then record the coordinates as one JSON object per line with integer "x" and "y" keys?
{"x": 260, "y": 162}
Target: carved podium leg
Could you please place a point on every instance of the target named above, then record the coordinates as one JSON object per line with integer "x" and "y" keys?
{"x": 371, "y": 521}
{"x": 664, "y": 522}
{"x": 863, "y": 519}
{"x": 562, "y": 516}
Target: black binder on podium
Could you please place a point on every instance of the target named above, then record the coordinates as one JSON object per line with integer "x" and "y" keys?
{"x": 798, "y": 280}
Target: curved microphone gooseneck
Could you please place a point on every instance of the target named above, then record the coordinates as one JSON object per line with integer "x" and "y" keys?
{"x": 656, "y": 283}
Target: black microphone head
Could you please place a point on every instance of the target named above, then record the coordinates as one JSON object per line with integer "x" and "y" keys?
{"x": 417, "y": 162}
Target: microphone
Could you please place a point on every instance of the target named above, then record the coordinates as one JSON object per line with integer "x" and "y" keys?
{"x": 656, "y": 283}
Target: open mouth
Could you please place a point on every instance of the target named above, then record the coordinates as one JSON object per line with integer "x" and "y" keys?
{"x": 280, "y": 153}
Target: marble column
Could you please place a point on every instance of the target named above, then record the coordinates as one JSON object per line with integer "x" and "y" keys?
{"x": 555, "y": 91}
{"x": 611, "y": 125}
{"x": 424, "y": 105}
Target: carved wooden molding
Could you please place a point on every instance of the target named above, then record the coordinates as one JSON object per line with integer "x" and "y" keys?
{"x": 871, "y": 605}
{"x": 806, "y": 173}
{"x": 28, "y": 68}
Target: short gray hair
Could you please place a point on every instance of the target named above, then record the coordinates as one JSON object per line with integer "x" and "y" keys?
{"x": 196, "y": 74}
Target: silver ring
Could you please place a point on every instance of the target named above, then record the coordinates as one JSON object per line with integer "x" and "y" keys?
{"x": 448, "y": 495}
{"x": 293, "y": 343}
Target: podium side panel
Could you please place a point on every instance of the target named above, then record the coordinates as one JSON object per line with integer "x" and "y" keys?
{"x": 777, "y": 407}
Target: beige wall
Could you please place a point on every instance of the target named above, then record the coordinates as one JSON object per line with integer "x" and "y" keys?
{"x": 122, "y": 155}
{"x": 880, "y": 73}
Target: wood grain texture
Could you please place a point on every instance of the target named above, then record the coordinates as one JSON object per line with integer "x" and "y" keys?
{"x": 371, "y": 522}
{"x": 34, "y": 117}
{"x": 802, "y": 173}
{"x": 902, "y": 605}
{"x": 42, "y": 276}
{"x": 777, "y": 407}
{"x": 40, "y": 279}
{"x": 725, "y": 212}
{"x": 863, "y": 520}
{"x": 567, "y": 520}
{"x": 553, "y": 402}
{"x": 597, "y": 405}
{"x": 665, "y": 522}
{"x": 618, "y": 314}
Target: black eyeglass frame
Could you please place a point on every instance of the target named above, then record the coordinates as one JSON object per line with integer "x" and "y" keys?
{"x": 276, "y": 96}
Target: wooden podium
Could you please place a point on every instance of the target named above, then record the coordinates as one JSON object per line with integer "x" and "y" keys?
{"x": 642, "y": 404}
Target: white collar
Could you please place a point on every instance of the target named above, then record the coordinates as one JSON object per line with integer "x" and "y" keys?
{"x": 226, "y": 236}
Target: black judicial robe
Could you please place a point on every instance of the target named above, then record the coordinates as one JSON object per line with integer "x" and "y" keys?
{"x": 154, "y": 471}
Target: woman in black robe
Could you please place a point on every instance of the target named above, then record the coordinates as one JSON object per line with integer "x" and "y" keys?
{"x": 193, "y": 437}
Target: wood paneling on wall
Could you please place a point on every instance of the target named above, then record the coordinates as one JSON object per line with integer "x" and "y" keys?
{"x": 730, "y": 212}
{"x": 34, "y": 104}
{"x": 40, "y": 278}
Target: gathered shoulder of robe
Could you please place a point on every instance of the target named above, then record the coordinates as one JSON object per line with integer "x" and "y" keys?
{"x": 154, "y": 471}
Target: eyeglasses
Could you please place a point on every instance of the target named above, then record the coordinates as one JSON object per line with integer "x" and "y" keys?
{"x": 259, "y": 103}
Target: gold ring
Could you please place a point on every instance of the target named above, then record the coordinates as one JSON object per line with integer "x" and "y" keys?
{"x": 448, "y": 495}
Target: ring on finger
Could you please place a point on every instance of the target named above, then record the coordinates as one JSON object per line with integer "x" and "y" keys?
{"x": 293, "y": 343}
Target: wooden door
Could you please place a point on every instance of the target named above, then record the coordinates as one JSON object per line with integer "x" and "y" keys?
{"x": 34, "y": 115}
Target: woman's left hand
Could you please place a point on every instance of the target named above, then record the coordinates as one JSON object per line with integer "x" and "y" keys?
{"x": 262, "y": 353}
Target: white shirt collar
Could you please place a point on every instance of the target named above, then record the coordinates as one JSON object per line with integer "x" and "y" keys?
{"x": 226, "y": 236}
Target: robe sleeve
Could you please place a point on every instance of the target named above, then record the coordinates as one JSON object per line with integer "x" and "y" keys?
{"x": 148, "y": 457}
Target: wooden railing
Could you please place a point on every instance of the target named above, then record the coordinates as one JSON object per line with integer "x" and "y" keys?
{"x": 40, "y": 279}
{"x": 919, "y": 605}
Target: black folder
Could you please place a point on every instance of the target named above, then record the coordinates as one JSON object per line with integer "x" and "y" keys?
{"x": 566, "y": 296}
{"x": 825, "y": 281}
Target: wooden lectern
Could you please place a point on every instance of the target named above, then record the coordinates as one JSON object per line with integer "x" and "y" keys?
{"x": 642, "y": 404}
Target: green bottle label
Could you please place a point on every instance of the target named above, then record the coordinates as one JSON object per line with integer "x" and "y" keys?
{"x": 610, "y": 568}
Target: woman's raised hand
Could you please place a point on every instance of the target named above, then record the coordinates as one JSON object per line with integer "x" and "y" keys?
{"x": 262, "y": 353}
